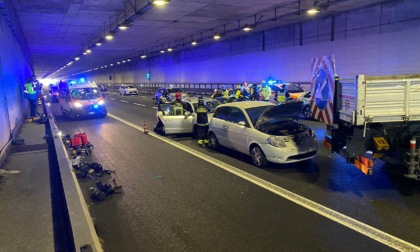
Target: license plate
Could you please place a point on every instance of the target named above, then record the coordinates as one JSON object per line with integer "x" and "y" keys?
{"x": 91, "y": 113}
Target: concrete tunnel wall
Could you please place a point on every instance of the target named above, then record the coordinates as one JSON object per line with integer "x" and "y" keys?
{"x": 14, "y": 71}
{"x": 376, "y": 40}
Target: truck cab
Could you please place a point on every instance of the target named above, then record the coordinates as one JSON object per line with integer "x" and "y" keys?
{"x": 81, "y": 100}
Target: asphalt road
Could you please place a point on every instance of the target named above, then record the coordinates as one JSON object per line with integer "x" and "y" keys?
{"x": 178, "y": 196}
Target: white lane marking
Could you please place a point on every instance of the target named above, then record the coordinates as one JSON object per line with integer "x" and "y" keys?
{"x": 112, "y": 99}
{"x": 360, "y": 227}
{"x": 154, "y": 108}
{"x": 138, "y": 104}
{"x": 123, "y": 101}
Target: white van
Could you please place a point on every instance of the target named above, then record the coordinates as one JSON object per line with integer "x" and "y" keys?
{"x": 81, "y": 99}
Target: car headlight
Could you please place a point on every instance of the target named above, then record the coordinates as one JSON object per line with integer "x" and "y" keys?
{"x": 312, "y": 133}
{"x": 101, "y": 102}
{"x": 77, "y": 104}
{"x": 277, "y": 141}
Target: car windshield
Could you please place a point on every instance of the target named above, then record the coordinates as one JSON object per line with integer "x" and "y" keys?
{"x": 175, "y": 90}
{"x": 294, "y": 89}
{"x": 211, "y": 104}
{"x": 85, "y": 93}
{"x": 255, "y": 113}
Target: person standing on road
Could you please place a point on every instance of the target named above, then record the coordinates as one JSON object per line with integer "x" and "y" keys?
{"x": 265, "y": 91}
{"x": 32, "y": 95}
{"x": 202, "y": 122}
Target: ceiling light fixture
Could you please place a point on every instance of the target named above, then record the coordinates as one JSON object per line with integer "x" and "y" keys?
{"x": 162, "y": 51}
{"x": 128, "y": 60}
{"x": 248, "y": 28}
{"x": 160, "y": 2}
{"x": 169, "y": 49}
{"x": 77, "y": 58}
{"x": 143, "y": 56}
{"x": 109, "y": 37}
{"x": 316, "y": 8}
{"x": 217, "y": 36}
{"x": 98, "y": 44}
{"x": 88, "y": 51}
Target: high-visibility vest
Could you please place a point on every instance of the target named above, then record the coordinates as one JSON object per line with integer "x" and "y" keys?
{"x": 29, "y": 88}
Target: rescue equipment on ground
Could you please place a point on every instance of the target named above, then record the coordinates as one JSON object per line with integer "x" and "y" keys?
{"x": 102, "y": 190}
{"x": 79, "y": 143}
{"x": 84, "y": 169}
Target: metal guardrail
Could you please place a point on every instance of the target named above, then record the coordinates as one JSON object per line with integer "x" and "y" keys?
{"x": 192, "y": 88}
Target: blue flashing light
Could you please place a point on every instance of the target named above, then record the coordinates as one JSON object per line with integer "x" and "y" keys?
{"x": 73, "y": 82}
{"x": 96, "y": 106}
{"x": 82, "y": 80}
{"x": 271, "y": 82}
{"x": 148, "y": 76}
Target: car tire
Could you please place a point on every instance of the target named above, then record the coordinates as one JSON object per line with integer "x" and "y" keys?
{"x": 258, "y": 157}
{"x": 72, "y": 115}
{"x": 213, "y": 142}
{"x": 307, "y": 112}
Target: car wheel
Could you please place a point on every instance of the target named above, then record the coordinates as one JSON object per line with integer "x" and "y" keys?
{"x": 72, "y": 115}
{"x": 213, "y": 142}
{"x": 307, "y": 112}
{"x": 258, "y": 157}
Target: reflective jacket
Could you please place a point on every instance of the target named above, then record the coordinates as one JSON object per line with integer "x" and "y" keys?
{"x": 202, "y": 119}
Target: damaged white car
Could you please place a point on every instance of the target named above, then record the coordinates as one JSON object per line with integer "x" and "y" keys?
{"x": 266, "y": 132}
{"x": 176, "y": 120}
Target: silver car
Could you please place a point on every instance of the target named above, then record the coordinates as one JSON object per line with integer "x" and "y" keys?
{"x": 266, "y": 132}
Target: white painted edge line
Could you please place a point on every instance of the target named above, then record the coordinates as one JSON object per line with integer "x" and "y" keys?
{"x": 360, "y": 227}
{"x": 138, "y": 104}
{"x": 89, "y": 218}
{"x": 123, "y": 101}
{"x": 154, "y": 108}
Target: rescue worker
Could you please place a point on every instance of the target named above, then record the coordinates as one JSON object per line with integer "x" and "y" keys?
{"x": 265, "y": 91}
{"x": 225, "y": 92}
{"x": 202, "y": 122}
{"x": 239, "y": 96}
{"x": 217, "y": 94}
{"x": 179, "y": 105}
{"x": 161, "y": 101}
{"x": 282, "y": 94}
{"x": 32, "y": 95}
{"x": 255, "y": 94}
{"x": 214, "y": 93}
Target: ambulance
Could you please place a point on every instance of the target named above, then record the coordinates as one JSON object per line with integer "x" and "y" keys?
{"x": 81, "y": 99}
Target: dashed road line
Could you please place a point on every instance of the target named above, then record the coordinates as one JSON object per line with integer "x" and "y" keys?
{"x": 113, "y": 99}
{"x": 360, "y": 227}
{"x": 154, "y": 107}
{"x": 123, "y": 101}
{"x": 138, "y": 104}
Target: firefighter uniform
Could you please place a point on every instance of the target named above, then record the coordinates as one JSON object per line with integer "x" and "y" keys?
{"x": 202, "y": 122}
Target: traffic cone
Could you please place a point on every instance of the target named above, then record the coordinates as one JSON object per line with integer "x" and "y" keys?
{"x": 145, "y": 130}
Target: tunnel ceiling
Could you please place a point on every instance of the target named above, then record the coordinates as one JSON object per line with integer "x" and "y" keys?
{"x": 58, "y": 31}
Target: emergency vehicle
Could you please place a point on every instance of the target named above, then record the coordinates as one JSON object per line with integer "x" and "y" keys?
{"x": 81, "y": 99}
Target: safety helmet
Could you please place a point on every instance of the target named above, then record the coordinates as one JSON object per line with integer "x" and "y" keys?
{"x": 178, "y": 96}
